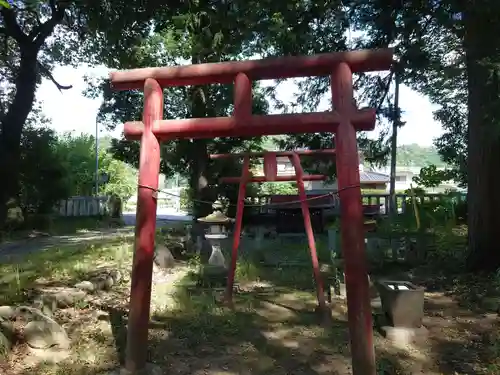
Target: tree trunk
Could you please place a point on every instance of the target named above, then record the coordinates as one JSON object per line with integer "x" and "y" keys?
{"x": 484, "y": 135}
{"x": 12, "y": 128}
{"x": 199, "y": 180}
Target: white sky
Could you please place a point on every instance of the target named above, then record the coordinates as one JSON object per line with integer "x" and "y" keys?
{"x": 71, "y": 111}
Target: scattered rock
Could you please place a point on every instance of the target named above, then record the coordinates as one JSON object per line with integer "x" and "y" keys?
{"x": 103, "y": 282}
{"x": 116, "y": 275}
{"x": 177, "y": 247}
{"x": 49, "y": 356}
{"x": 163, "y": 257}
{"x": 101, "y": 279}
{"x": 61, "y": 297}
{"x": 44, "y": 332}
{"x": 7, "y": 312}
{"x": 6, "y": 337}
{"x": 46, "y": 304}
{"x": 402, "y": 337}
{"x": 86, "y": 286}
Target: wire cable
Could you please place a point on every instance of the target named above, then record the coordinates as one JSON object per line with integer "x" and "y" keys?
{"x": 333, "y": 194}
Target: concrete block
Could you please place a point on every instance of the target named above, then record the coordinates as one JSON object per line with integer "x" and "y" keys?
{"x": 403, "y": 337}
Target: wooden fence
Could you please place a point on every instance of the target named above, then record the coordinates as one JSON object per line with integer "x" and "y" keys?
{"x": 381, "y": 200}
{"x": 98, "y": 206}
{"x": 83, "y": 207}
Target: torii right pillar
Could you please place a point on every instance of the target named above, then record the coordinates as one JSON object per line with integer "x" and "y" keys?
{"x": 351, "y": 230}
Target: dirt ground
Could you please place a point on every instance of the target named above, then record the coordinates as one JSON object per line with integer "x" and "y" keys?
{"x": 268, "y": 332}
{"x": 272, "y": 329}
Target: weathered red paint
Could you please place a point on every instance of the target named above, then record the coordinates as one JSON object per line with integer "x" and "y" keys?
{"x": 284, "y": 178}
{"x": 253, "y": 126}
{"x": 142, "y": 268}
{"x": 309, "y": 231}
{"x": 245, "y": 174}
{"x": 278, "y": 153}
{"x": 270, "y": 166}
{"x": 352, "y": 231}
{"x": 270, "y": 68}
{"x": 345, "y": 121}
{"x": 242, "y": 97}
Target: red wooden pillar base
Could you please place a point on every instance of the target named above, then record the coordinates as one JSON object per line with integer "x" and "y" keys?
{"x": 245, "y": 173}
{"x": 352, "y": 231}
{"x": 142, "y": 268}
{"x": 324, "y": 311}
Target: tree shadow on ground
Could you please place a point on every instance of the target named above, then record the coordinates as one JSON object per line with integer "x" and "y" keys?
{"x": 463, "y": 338}
{"x": 453, "y": 311}
{"x": 265, "y": 333}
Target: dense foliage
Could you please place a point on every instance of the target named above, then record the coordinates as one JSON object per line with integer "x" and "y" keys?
{"x": 56, "y": 167}
{"x": 415, "y": 155}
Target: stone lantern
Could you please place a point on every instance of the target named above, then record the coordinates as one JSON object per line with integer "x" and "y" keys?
{"x": 216, "y": 234}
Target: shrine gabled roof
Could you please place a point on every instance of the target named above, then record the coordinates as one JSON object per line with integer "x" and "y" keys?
{"x": 369, "y": 177}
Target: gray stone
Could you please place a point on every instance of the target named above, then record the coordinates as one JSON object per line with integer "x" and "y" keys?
{"x": 43, "y": 332}
{"x": 403, "y": 337}
{"x": 62, "y": 297}
{"x": 52, "y": 356}
{"x": 7, "y": 312}
{"x": 6, "y": 337}
{"x": 163, "y": 257}
{"x": 46, "y": 304}
{"x": 86, "y": 286}
{"x": 103, "y": 282}
{"x": 116, "y": 275}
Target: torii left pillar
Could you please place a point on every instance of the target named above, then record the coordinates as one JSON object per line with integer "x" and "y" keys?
{"x": 142, "y": 267}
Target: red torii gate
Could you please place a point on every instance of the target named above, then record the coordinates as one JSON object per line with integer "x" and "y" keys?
{"x": 271, "y": 174}
{"x": 344, "y": 121}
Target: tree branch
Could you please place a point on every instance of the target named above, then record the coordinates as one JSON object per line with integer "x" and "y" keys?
{"x": 386, "y": 91}
{"x": 40, "y": 34}
{"x": 46, "y": 72}
{"x": 12, "y": 28}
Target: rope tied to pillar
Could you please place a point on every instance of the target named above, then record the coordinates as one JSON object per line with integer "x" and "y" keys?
{"x": 316, "y": 197}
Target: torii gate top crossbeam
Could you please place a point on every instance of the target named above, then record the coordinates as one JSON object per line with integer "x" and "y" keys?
{"x": 270, "y": 68}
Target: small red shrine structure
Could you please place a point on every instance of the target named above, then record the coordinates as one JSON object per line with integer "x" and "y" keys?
{"x": 345, "y": 120}
{"x": 271, "y": 174}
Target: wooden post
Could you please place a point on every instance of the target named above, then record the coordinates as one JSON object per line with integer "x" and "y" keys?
{"x": 237, "y": 229}
{"x": 352, "y": 231}
{"x": 309, "y": 231}
{"x": 142, "y": 268}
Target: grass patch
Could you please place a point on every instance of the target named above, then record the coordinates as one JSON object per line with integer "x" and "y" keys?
{"x": 61, "y": 265}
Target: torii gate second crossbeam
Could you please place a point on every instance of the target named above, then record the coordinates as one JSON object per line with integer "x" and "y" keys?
{"x": 271, "y": 175}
